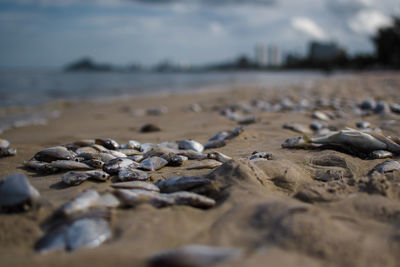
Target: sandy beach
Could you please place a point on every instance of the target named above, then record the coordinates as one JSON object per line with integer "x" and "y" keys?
{"x": 279, "y": 212}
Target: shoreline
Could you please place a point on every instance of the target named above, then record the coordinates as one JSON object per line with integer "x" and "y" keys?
{"x": 14, "y": 116}
{"x": 237, "y": 83}
{"x": 261, "y": 213}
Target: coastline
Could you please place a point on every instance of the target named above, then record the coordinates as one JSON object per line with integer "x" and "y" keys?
{"x": 17, "y": 115}
{"x": 345, "y": 227}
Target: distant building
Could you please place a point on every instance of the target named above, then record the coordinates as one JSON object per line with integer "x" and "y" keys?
{"x": 274, "y": 56}
{"x": 268, "y": 55}
{"x": 261, "y": 56}
{"x": 319, "y": 51}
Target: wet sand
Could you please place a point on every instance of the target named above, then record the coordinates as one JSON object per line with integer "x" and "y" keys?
{"x": 274, "y": 210}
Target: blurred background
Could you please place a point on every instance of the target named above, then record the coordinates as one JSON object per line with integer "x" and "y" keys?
{"x": 74, "y": 50}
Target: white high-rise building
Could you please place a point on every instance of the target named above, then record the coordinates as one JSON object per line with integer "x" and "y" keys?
{"x": 268, "y": 55}
{"x": 274, "y": 56}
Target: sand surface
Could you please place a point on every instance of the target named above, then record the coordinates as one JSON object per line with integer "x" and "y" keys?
{"x": 274, "y": 210}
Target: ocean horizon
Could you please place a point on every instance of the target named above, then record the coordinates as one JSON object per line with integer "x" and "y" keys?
{"x": 27, "y": 87}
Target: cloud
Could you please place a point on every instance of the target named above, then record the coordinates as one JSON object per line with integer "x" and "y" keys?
{"x": 308, "y": 27}
{"x": 198, "y": 31}
{"x": 210, "y": 2}
{"x": 368, "y": 21}
{"x": 346, "y": 8}
{"x": 63, "y": 3}
{"x": 216, "y": 28}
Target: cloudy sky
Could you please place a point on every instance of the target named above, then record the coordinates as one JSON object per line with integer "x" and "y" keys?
{"x": 55, "y": 32}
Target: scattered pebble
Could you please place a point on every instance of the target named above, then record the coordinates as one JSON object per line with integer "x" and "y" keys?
{"x": 194, "y": 255}
{"x": 17, "y": 193}
{"x": 149, "y": 128}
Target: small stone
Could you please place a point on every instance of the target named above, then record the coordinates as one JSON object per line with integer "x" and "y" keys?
{"x": 149, "y": 128}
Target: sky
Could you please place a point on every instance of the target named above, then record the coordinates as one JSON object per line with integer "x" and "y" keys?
{"x": 51, "y": 33}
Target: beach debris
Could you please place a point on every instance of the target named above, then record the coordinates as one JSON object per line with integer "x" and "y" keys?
{"x": 382, "y": 108}
{"x": 368, "y": 104}
{"x": 193, "y": 155}
{"x": 248, "y": 120}
{"x": 156, "y": 111}
{"x": 363, "y": 125}
{"x": 192, "y": 199}
{"x": 107, "y": 143}
{"x": 128, "y": 152}
{"x": 303, "y": 104}
{"x": 174, "y": 160}
{"x": 98, "y": 175}
{"x": 16, "y": 192}
{"x": 87, "y": 232}
{"x": 117, "y": 154}
{"x": 136, "y": 185}
{"x": 381, "y": 154}
{"x": 132, "y": 174}
{"x": 134, "y": 197}
{"x": 109, "y": 158}
{"x": 221, "y": 138}
{"x": 102, "y": 156}
{"x": 146, "y": 147}
{"x": 76, "y": 178}
{"x": 69, "y": 165}
{"x": 117, "y": 164}
{"x": 39, "y": 166}
{"x": 5, "y": 150}
{"x": 100, "y": 148}
{"x": 153, "y": 163}
{"x": 149, "y": 128}
{"x": 182, "y": 183}
{"x": 83, "y": 232}
{"x": 395, "y": 108}
{"x": 88, "y": 149}
{"x": 132, "y": 144}
{"x": 195, "y": 107}
{"x": 260, "y": 155}
{"x": 231, "y": 114}
{"x": 218, "y": 156}
{"x": 235, "y": 132}
{"x": 94, "y": 163}
{"x": 194, "y": 256}
{"x": 317, "y": 126}
{"x": 54, "y": 153}
{"x": 169, "y": 145}
{"x": 80, "y": 204}
{"x": 137, "y": 158}
{"x": 387, "y": 166}
{"x": 295, "y": 142}
{"x": 350, "y": 140}
{"x": 84, "y": 142}
{"x": 159, "y": 150}
{"x": 296, "y": 127}
{"x": 261, "y": 105}
{"x": 286, "y": 104}
{"x": 204, "y": 165}
{"x": 190, "y": 144}
{"x": 4, "y": 143}
{"x": 320, "y": 116}
{"x": 107, "y": 200}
